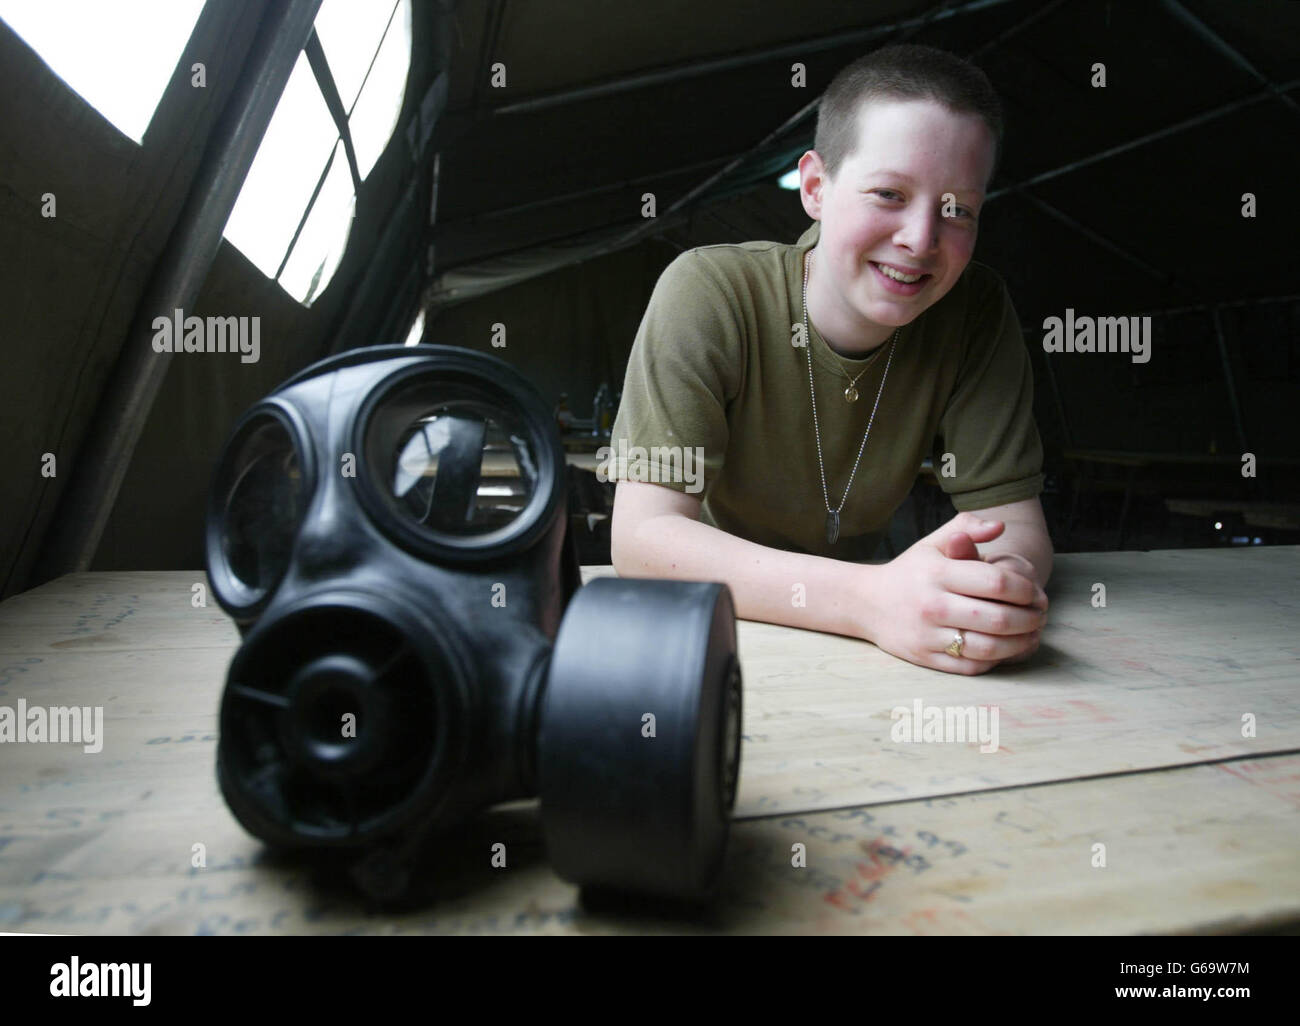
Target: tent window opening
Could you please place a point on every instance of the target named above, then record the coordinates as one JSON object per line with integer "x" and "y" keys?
{"x": 118, "y": 56}
{"x": 294, "y": 212}
{"x": 417, "y": 330}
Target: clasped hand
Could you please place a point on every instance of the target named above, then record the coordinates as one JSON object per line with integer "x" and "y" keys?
{"x": 941, "y": 585}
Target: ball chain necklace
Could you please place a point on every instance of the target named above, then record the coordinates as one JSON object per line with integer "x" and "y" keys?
{"x": 851, "y": 394}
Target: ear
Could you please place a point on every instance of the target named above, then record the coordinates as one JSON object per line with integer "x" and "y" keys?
{"x": 813, "y": 180}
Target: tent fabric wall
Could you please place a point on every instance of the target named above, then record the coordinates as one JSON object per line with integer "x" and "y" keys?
{"x": 69, "y": 284}
{"x": 1114, "y": 202}
{"x": 69, "y": 288}
{"x": 157, "y": 521}
{"x": 567, "y": 331}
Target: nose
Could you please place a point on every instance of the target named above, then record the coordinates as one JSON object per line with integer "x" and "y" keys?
{"x": 919, "y": 232}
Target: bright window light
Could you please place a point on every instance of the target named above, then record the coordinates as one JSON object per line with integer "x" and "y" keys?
{"x": 325, "y": 235}
{"x": 375, "y": 115}
{"x": 417, "y": 330}
{"x": 350, "y": 31}
{"x": 789, "y": 180}
{"x": 117, "y": 56}
{"x": 367, "y": 45}
{"x": 288, "y": 164}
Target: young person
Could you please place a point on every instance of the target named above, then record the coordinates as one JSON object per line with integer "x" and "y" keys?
{"x": 813, "y": 379}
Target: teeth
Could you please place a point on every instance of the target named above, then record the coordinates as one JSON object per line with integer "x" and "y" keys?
{"x": 899, "y": 275}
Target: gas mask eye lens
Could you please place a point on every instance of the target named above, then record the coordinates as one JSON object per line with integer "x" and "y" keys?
{"x": 462, "y": 470}
{"x": 459, "y": 458}
{"x": 261, "y": 505}
{"x": 457, "y": 465}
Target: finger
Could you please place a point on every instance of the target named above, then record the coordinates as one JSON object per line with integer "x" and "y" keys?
{"x": 1019, "y": 564}
{"x": 987, "y": 647}
{"x": 952, "y": 664}
{"x": 1000, "y": 618}
{"x": 1040, "y": 597}
{"x": 980, "y": 530}
{"x": 959, "y": 546}
{"x": 977, "y": 579}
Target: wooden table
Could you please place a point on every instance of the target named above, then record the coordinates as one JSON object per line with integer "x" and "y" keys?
{"x": 1124, "y": 739}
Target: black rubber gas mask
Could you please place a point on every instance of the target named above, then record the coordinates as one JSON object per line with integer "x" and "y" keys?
{"x": 388, "y": 531}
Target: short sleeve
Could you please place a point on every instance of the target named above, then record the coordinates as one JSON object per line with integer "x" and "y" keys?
{"x": 684, "y": 370}
{"x": 988, "y": 423}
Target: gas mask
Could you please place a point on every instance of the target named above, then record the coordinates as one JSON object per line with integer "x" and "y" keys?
{"x": 388, "y": 530}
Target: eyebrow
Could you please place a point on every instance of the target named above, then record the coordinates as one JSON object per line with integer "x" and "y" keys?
{"x": 885, "y": 172}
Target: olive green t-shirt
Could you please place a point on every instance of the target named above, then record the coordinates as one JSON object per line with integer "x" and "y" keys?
{"x": 715, "y": 372}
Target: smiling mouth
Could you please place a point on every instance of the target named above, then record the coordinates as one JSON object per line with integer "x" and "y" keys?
{"x": 898, "y": 274}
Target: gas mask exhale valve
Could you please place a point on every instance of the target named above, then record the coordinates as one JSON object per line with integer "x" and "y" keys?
{"x": 388, "y": 530}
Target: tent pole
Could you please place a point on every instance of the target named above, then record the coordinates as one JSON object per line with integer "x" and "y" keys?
{"x": 1228, "y": 379}
{"x": 1182, "y": 126}
{"x": 105, "y": 452}
{"x": 718, "y": 65}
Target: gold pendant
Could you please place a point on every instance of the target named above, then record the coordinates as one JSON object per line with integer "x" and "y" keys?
{"x": 851, "y": 394}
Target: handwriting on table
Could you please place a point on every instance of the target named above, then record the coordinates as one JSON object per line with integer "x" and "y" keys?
{"x": 883, "y": 859}
{"x": 1277, "y": 776}
{"x": 1072, "y": 711}
{"x": 9, "y": 673}
{"x": 97, "y": 611}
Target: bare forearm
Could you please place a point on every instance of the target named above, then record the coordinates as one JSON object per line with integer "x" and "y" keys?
{"x": 766, "y": 584}
{"x": 1026, "y": 539}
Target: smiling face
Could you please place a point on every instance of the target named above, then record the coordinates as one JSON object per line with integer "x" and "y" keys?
{"x": 884, "y": 212}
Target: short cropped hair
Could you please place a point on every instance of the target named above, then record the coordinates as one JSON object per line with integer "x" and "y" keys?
{"x": 902, "y": 72}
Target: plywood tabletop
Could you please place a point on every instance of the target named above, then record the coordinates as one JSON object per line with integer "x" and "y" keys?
{"x": 1146, "y": 777}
